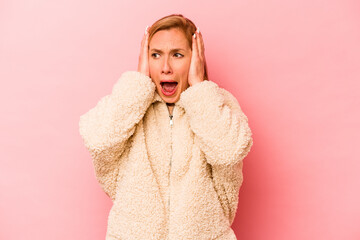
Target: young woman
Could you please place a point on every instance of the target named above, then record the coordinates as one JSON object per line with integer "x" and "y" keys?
{"x": 168, "y": 144}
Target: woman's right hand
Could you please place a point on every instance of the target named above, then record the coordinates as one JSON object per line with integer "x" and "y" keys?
{"x": 143, "y": 65}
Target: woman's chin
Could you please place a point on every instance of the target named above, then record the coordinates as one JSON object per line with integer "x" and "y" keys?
{"x": 170, "y": 99}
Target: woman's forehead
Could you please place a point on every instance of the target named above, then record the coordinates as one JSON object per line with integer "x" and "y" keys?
{"x": 168, "y": 40}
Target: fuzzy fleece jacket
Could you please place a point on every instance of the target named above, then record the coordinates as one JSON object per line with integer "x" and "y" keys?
{"x": 169, "y": 177}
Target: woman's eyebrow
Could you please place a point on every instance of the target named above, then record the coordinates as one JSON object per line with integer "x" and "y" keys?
{"x": 172, "y": 50}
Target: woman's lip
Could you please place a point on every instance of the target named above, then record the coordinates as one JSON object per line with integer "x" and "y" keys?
{"x": 169, "y": 93}
{"x": 161, "y": 81}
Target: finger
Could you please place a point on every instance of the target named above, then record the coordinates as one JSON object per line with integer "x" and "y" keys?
{"x": 198, "y": 43}
{"x": 143, "y": 41}
{"x": 146, "y": 44}
{"x": 202, "y": 44}
{"x": 195, "y": 49}
{"x": 142, "y": 47}
{"x": 200, "y": 50}
{"x": 146, "y": 35}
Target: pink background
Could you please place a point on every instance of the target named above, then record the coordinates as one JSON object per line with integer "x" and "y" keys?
{"x": 294, "y": 66}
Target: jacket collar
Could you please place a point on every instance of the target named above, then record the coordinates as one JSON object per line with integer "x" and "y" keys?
{"x": 178, "y": 105}
{"x": 157, "y": 98}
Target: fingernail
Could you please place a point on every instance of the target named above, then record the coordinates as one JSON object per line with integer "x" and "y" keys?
{"x": 146, "y": 29}
{"x": 194, "y": 35}
{"x": 198, "y": 30}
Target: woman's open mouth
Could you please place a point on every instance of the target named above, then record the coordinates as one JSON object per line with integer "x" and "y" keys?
{"x": 168, "y": 88}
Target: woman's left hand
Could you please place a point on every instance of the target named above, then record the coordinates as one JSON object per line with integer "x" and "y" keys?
{"x": 196, "y": 70}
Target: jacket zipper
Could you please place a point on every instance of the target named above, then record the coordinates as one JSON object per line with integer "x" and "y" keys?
{"x": 171, "y": 124}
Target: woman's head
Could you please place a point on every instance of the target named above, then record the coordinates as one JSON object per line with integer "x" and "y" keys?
{"x": 170, "y": 49}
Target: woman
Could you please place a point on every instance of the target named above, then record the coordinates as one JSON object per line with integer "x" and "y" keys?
{"x": 167, "y": 144}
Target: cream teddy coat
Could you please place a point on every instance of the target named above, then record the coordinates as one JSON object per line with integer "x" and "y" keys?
{"x": 169, "y": 177}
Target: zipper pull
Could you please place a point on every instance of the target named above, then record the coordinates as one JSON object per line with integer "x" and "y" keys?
{"x": 171, "y": 121}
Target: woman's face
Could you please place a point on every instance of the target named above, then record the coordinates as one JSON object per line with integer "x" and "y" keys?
{"x": 169, "y": 59}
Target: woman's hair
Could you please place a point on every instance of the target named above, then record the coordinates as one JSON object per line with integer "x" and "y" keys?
{"x": 180, "y": 22}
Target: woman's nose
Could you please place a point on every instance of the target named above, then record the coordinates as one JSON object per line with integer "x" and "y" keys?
{"x": 166, "y": 68}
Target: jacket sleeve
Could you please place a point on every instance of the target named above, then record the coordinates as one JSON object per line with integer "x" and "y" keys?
{"x": 222, "y": 132}
{"x": 218, "y": 122}
{"x": 106, "y": 128}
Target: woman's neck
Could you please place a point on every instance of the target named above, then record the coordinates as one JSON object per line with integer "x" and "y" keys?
{"x": 170, "y": 107}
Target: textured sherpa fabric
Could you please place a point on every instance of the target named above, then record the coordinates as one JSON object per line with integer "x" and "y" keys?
{"x": 178, "y": 181}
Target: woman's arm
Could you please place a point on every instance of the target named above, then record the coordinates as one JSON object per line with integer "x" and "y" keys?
{"x": 220, "y": 126}
{"x": 222, "y": 132}
{"x": 106, "y": 128}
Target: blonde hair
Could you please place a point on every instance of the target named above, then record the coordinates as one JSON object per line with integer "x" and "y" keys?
{"x": 176, "y": 21}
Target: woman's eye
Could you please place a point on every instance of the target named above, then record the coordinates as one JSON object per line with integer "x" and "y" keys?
{"x": 178, "y": 55}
